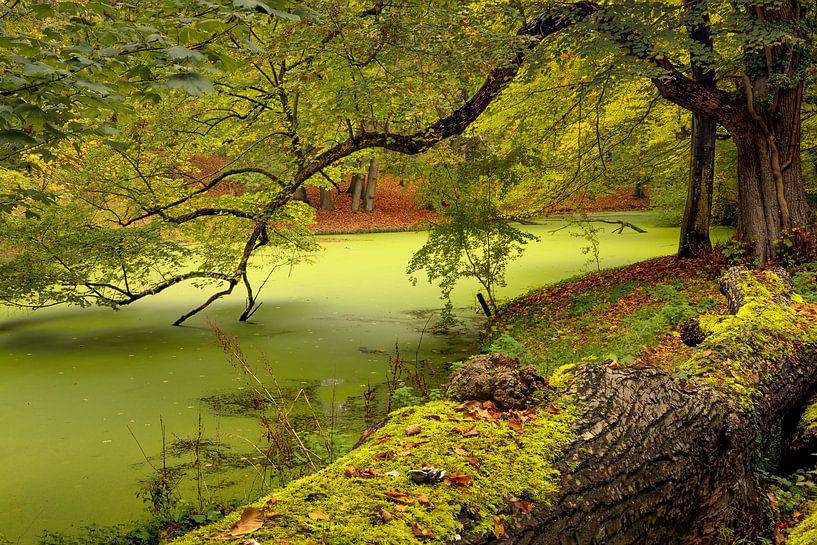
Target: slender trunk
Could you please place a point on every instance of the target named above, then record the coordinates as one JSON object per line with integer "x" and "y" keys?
{"x": 300, "y": 195}
{"x": 371, "y": 185}
{"x": 357, "y": 189}
{"x": 695, "y": 226}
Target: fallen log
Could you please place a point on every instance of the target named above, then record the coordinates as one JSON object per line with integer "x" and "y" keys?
{"x": 610, "y": 455}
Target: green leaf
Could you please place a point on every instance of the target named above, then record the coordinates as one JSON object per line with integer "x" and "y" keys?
{"x": 42, "y": 11}
{"x": 179, "y": 53}
{"x": 37, "y": 70}
{"x": 194, "y": 84}
{"x": 16, "y": 138}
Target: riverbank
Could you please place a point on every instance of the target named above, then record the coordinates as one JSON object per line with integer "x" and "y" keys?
{"x": 398, "y": 208}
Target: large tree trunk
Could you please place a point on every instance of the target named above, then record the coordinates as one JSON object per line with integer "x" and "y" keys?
{"x": 371, "y": 186}
{"x": 771, "y": 195}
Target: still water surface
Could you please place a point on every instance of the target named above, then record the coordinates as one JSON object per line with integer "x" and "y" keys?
{"x": 77, "y": 382}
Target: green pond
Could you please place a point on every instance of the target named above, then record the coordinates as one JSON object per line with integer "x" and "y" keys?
{"x": 84, "y": 391}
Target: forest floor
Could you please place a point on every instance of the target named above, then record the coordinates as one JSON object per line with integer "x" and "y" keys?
{"x": 398, "y": 208}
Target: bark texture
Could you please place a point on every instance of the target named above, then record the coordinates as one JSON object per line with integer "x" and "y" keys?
{"x": 659, "y": 460}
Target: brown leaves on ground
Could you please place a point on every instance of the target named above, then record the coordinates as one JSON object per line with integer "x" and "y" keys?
{"x": 487, "y": 411}
{"x": 413, "y": 429}
{"x": 395, "y": 209}
{"x": 251, "y": 520}
{"x": 421, "y": 532}
{"x": 458, "y": 478}
{"x": 362, "y": 472}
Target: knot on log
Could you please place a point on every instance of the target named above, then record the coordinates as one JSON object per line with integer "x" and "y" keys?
{"x": 499, "y": 379}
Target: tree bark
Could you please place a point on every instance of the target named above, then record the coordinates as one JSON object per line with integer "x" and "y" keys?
{"x": 771, "y": 194}
{"x": 659, "y": 460}
{"x": 357, "y": 189}
{"x": 698, "y": 210}
{"x": 371, "y": 185}
{"x": 327, "y": 203}
{"x": 300, "y": 195}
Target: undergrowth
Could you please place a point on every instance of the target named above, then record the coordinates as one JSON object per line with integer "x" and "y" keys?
{"x": 610, "y": 315}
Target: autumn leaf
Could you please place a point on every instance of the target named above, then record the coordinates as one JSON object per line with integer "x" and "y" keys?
{"x": 499, "y": 528}
{"x": 519, "y": 505}
{"x": 460, "y": 451}
{"x": 421, "y": 532}
{"x": 516, "y": 425}
{"x": 466, "y": 432}
{"x": 413, "y": 429}
{"x": 362, "y": 473}
{"x": 384, "y": 439}
{"x": 387, "y": 455}
{"x": 458, "y": 479}
{"x": 251, "y": 520}
{"x": 553, "y": 409}
{"x": 473, "y": 461}
{"x": 272, "y": 501}
{"x": 385, "y": 516}
{"x": 401, "y": 508}
{"x": 434, "y": 417}
{"x": 422, "y": 499}
{"x": 399, "y": 497}
{"x": 318, "y": 515}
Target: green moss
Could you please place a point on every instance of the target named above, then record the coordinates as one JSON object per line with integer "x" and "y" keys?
{"x": 510, "y": 464}
{"x": 804, "y": 533}
{"x": 809, "y": 419}
{"x": 740, "y": 349}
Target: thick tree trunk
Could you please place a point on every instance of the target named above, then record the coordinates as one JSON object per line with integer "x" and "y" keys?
{"x": 660, "y": 460}
{"x": 327, "y": 203}
{"x": 771, "y": 196}
{"x": 300, "y": 195}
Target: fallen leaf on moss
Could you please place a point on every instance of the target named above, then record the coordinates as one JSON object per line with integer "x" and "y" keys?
{"x": 553, "y": 409}
{"x": 269, "y": 515}
{"x": 499, "y": 528}
{"x": 474, "y": 462}
{"x": 384, "y": 439}
{"x": 272, "y": 500}
{"x": 386, "y": 516}
{"x": 516, "y": 425}
{"x": 421, "y": 532}
{"x": 435, "y": 417}
{"x": 251, "y": 520}
{"x": 413, "y": 429}
{"x": 387, "y": 455}
{"x": 399, "y": 496}
{"x": 362, "y": 472}
{"x": 401, "y": 508}
{"x": 466, "y": 432}
{"x": 318, "y": 515}
{"x": 460, "y": 451}
{"x": 458, "y": 478}
{"x": 422, "y": 499}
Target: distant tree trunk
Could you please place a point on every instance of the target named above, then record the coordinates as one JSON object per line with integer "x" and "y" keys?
{"x": 327, "y": 203}
{"x": 638, "y": 191}
{"x": 694, "y": 240}
{"x": 357, "y": 190}
{"x": 371, "y": 185}
{"x": 300, "y": 195}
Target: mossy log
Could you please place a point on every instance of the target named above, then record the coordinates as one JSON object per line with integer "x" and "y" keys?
{"x": 613, "y": 455}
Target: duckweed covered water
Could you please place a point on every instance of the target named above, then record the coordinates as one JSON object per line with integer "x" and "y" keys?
{"x": 81, "y": 387}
